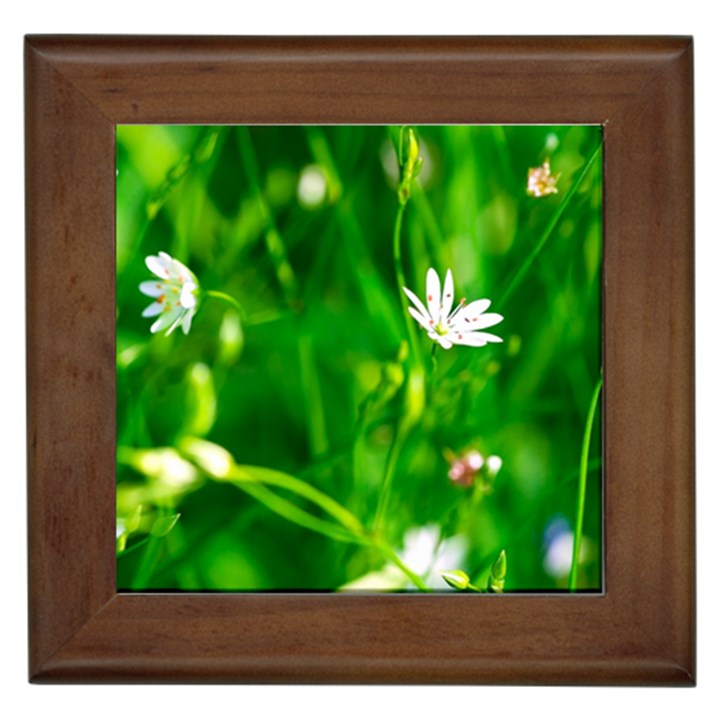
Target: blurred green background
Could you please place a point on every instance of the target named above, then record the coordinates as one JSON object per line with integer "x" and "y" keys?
{"x": 315, "y": 377}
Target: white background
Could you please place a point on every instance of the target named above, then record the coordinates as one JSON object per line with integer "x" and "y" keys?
{"x": 450, "y": 17}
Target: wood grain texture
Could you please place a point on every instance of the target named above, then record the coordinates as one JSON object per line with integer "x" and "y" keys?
{"x": 641, "y": 631}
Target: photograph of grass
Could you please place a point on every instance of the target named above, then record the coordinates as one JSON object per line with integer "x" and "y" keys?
{"x": 359, "y": 358}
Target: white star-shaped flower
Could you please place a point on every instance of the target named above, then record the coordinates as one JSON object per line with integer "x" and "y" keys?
{"x": 175, "y": 293}
{"x": 449, "y": 327}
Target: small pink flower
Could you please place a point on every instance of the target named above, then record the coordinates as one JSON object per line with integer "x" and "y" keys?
{"x": 464, "y": 468}
{"x": 541, "y": 182}
{"x": 471, "y": 468}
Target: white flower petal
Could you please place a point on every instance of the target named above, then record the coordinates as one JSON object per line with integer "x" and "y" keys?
{"x": 469, "y": 338}
{"x": 177, "y": 321}
{"x": 474, "y": 460}
{"x": 489, "y": 337}
{"x": 187, "y": 298}
{"x": 432, "y": 285}
{"x": 445, "y": 327}
{"x": 424, "y": 321}
{"x": 151, "y": 310}
{"x": 477, "y": 322}
{"x": 166, "y": 319}
{"x": 448, "y": 295}
{"x": 416, "y": 302}
{"x": 152, "y": 288}
{"x": 176, "y": 293}
{"x": 474, "y": 339}
{"x": 180, "y": 271}
{"x": 158, "y": 266}
{"x": 186, "y": 321}
{"x": 473, "y": 309}
{"x": 494, "y": 463}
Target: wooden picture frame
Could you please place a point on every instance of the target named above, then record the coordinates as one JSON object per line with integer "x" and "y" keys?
{"x": 641, "y": 630}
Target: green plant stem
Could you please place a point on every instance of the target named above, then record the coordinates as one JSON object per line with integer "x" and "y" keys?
{"x": 254, "y": 475}
{"x": 218, "y": 295}
{"x": 432, "y": 227}
{"x": 397, "y": 254}
{"x": 136, "y": 546}
{"x": 401, "y": 282}
{"x": 147, "y": 562}
{"x": 254, "y": 481}
{"x": 403, "y": 428}
{"x": 577, "y": 542}
{"x": 200, "y": 152}
{"x": 398, "y": 441}
{"x": 258, "y": 318}
{"x": 530, "y": 259}
{"x": 300, "y": 517}
{"x": 433, "y": 368}
{"x": 407, "y": 421}
{"x": 265, "y": 316}
{"x": 390, "y": 555}
{"x": 277, "y": 249}
{"x": 317, "y": 428}
{"x": 291, "y": 512}
{"x": 400, "y": 276}
{"x": 323, "y": 156}
{"x": 274, "y": 241}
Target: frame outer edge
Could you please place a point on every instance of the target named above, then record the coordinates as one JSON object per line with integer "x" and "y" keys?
{"x": 70, "y": 637}
{"x": 71, "y": 567}
{"x": 651, "y": 463}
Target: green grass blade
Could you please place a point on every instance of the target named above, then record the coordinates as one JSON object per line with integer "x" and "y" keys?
{"x": 317, "y": 429}
{"x": 390, "y": 555}
{"x": 296, "y": 515}
{"x": 248, "y": 474}
{"x": 572, "y": 583}
{"x": 530, "y": 259}
{"x": 274, "y": 241}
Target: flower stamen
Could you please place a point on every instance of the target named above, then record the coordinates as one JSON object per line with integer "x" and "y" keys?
{"x": 462, "y": 304}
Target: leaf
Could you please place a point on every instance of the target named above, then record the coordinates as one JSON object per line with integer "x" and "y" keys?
{"x": 496, "y": 580}
{"x": 457, "y": 579}
{"x": 163, "y": 525}
{"x": 133, "y": 522}
{"x": 241, "y": 474}
{"x": 120, "y": 543}
{"x": 296, "y": 515}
